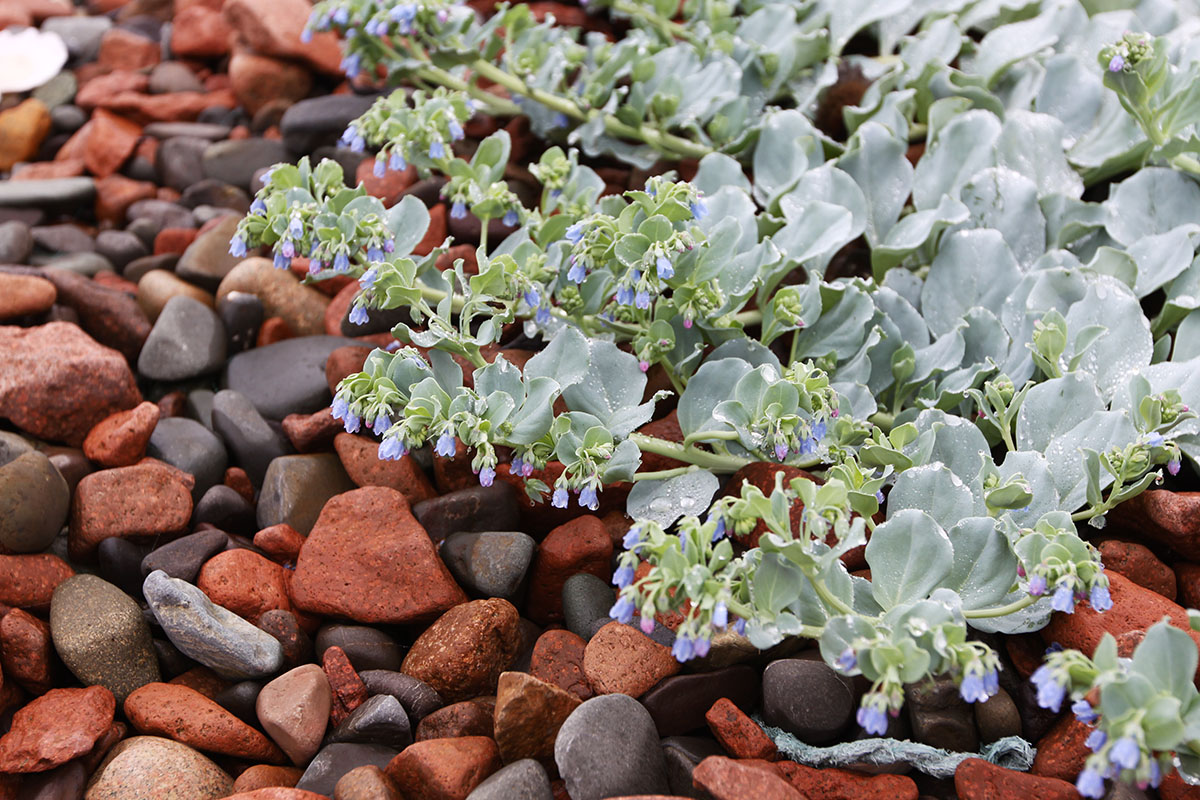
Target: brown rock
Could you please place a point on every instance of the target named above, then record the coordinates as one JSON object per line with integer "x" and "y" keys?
{"x": 1061, "y": 752}
{"x": 622, "y": 659}
{"x": 172, "y": 107}
{"x": 282, "y": 295}
{"x": 22, "y": 129}
{"x": 55, "y": 728}
{"x": 152, "y": 768}
{"x": 158, "y": 286}
{"x": 1171, "y": 518}
{"x": 1174, "y": 788}
{"x": 109, "y": 142}
{"x": 726, "y": 779}
{"x": 528, "y": 714}
{"x": 259, "y": 80}
{"x": 360, "y": 457}
{"x": 349, "y": 691}
{"x": 368, "y": 559}
{"x": 273, "y": 27}
{"x": 265, "y": 776}
{"x": 272, "y": 330}
{"x": 245, "y": 583}
{"x": 309, "y": 432}
{"x": 294, "y": 711}
{"x": 277, "y": 793}
{"x": 56, "y": 382}
{"x": 187, "y": 716}
{"x": 200, "y": 32}
{"x": 97, "y": 91}
{"x": 343, "y": 362}
{"x": 462, "y": 654}
{"x": 25, "y": 294}
{"x": 1136, "y": 562}
{"x": 143, "y": 501}
{"x": 367, "y": 782}
{"x": 123, "y": 49}
{"x": 558, "y": 658}
{"x": 26, "y": 651}
{"x": 390, "y": 188}
{"x": 738, "y": 734}
{"x": 120, "y": 440}
{"x": 443, "y": 769}
{"x": 111, "y": 316}
{"x": 116, "y": 193}
{"x": 842, "y": 784}
{"x": 281, "y": 543}
{"x": 28, "y": 581}
{"x": 581, "y": 545}
{"x": 468, "y": 718}
{"x": 976, "y": 779}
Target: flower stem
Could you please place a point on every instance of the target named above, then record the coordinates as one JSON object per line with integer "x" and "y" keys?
{"x": 690, "y": 454}
{"x": 1001, "y": 611}
{"x": 663, "y": 474}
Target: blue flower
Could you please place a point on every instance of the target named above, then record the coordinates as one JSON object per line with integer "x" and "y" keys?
{"x": 633, "y": 537}
{"x": 720, "y": 617}
{"x": 1125, "y": 753}
{"x": 258, "y": 207}
{"x": 295, "y": 228}
{"x": 1037, "y": 585}
{"x": 288, "y": 248}
{"x": 972, "y": 688}
{"x": 532, "y": 297}
{"x": 446, "y": 446}
{"x": 642, "y": 300}
{"x": 456, "y": 130}
{"x": 559, "y": 120}
{"x": 781, "y": 451}
{"x": 699, "y": 208}
{"x": 340, "y": 408}
{"x": 351, "y": 65}
{"x": 1090, "y": 783}
{"x": 719, "y": 531}
{"x": 1050, "y": 692}
{"x": 683, "y": 649}
{"x": 1083, "y": 711}
{"x": 1154, "y": 440}
{"x": 847, "y": 660}
{"x": 819, "y": 429}
{"x": 623, "y": 576}
{"x": 341, "y": 16}
{"x": 341, "y": 262}
{"x": 1117, "y": 63}
{"x": 381, "y": 424}
{"x": 808, "y": 446}
{"x": 574, "y": 233}
{"x": 282, "y": 261}
{"x": 1064, "y": 598}
{"x": 389, "y": 245}
{"x": 1173, "y": 466}
{"x": 543, "y": 315}
{"x": 404, "y": 15}
{"x": 374, "y": 255}
{"x": 577, "y": 272}
{"x": 306, "y": 34}
{"x": 991, "y": 682}
{"x": 511, "y": 218}
{"x": 237, "y": 247}
{"x": 1155, "y": 773}
{"x": 392, "y": 449}
{"x": 625, "y": 295}
{"x": 665, "y": 270}
{"x": 1096, "y": 740}
{"x": 458, "y": 210}
{"x": 397, "y": 162}
{"x": 622, "y": 610}
{"x": 873, "y": 719}
{"x": 560, "y": 498}
{"x": 588, "y": 499}
{"x": 351, "y": 422}
{"x": 437, "y": 150}
{"x": 739, "y": 626}
{"x": 486, "y": 476}
{"x": 1100, "y": 599}
{"x": 380, "y": 168}
{"x": 368, "y": 278}
{"x": 359, "y": 316}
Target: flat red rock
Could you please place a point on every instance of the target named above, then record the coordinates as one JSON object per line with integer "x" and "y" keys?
{"x": 60, "y": 725}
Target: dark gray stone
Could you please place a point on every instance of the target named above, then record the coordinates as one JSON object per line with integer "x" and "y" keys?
{"x": 209, "y": 197}
{"x": 608, "y": 746}
{"x": 187, "y": 340}
{"x": 81, "y": 34}
{"x": 120, "y": 247}
{"x": 321, "y": 120}
{"x": 61, "y": 783}
{"x": 184, "y": 557}
{"x": 239, "y": 700}
{"x": 296, "y": 488}
{"x": 940, "y": 717}
{"x": 678, "y": 704}
{"x": 235, "y": 161}
{"x": 379, "y": 720}
{"x": 86, "y": 264}
{"x": 489, "y": 563}
{"x": 521, "y": 780}
{"x": 121, "y": 564}
{"x": 54, "y": 193}
{"x": 287, "y": 377}
{"x": 162, "y": 213}
{"x": 418, "y": 698}
{"x": 192, "y": 130}
{"x": 16, "y": 242}
{"x": 67, "y": 118}
{"x": 586, "y": 600}
{"x": 180, "y": 161}
{"x": 206, "y": 260}
{"x": 242, "y": 314}
{"x": 366, "y": 647}
{"x": 199, "y": 405}
{"x": 185, "y": 443}
{"x": 335, "y": 760}
{"x": 136, "y": 270}
{"x": 253, "y": 442}
{"x": 171, "y": 76}
{"x": 807, "y": 698}
{"x": 683, "y": 754}
{"x": 34, "y": 501}
{"x": 227, "y": 510}
{"x": 217, "y": 638}
{"x": 64, "y": 238}
{"x": 478, "y": 508}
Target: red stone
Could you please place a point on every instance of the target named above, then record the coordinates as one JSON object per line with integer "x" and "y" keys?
{"x": 109, "y": 142}
{"x": 280, "y": 542}
{"x": 120, "y": 439}
{"x": 200, "y": 32}
{"x": 259, "y": 80}
{"x": 124, "y": 49}
{"x": 174, "y": 240}
{"x": 25, "y": 294}
{"x": 741, "y": 736}
{"x": 244, "y": 582}
{"x": 581, "y": 545}
{"x": 528, "y": 714}
{"x": 44, "y": 170}
{"x": 1061, "y": 752}
{"x": 558, "y": 658}
{"x": 55, "y": 728}
{"x": 277, "y": 793}
{"x": 1136, "y": 562}
{"x": 1171, "y": 518}
{"x": 471, "y": 267}
{"x": 462, "y": 654}
{"x": 1174, "y": 788}
{"x": 344, "y": 361}
{"x": 187, "y": 716}
{"x": 144, "y": 501}
{"x": 976, "y": 779}
{"x": 368, "y": 559}
{"x": 116, "y": 193}
{"x": 26, "y": 651}
{"x": 171, "y": 107}
{"x": 727, "y": 779}
{"x": 237, "y": 479}
{"x": 56, "y": 382}
{"x": 273, "y": 27}
{"x": 390, "y": 188}
{"x": 267, "y": 776}
{"x": 360, "y": 457}
{"x": 309, "y": 432}
{"x": 443, "y": 769}
{"x": 435, "y": 234}
{"x": 842, "y": 784}
{"x": 272, "y": 330}
{"x": 468, "y": 718}
{"x": 29, "y": 581}
{"x": 622, "y": 659}
{"x": 349, "y": 691}
{"x": 99, "y": 90}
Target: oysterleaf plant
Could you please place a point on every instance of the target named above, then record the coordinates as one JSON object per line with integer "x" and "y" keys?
{"x": 1015, "y": 354}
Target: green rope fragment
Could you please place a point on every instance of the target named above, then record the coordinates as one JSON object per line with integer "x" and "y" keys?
{"x": 1011, "y": 752}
